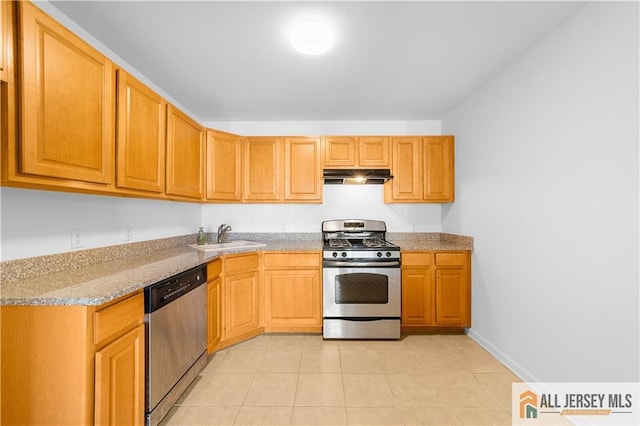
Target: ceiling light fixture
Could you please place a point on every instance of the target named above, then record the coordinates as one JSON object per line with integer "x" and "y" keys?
{"x": 311, "y": 37}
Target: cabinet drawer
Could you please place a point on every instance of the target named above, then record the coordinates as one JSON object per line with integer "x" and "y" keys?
{"x": 291, "y": 260}
{"x": 214, "y": 269}
{"x": 450, "y": 259}
{"x": 422, "y": 258}
{"x": 241, "y": 263}
{"x": 115, "y": 319}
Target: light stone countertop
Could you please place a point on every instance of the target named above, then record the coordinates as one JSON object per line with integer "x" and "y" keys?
{"x": 97, "y": 276}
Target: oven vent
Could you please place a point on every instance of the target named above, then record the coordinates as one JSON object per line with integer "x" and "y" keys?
{"x": 356, "y": 176}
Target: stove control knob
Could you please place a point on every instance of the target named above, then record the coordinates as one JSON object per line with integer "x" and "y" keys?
{"x": 388, "y": 254}
{"x": 379, "y": 254}
{"x": 344, "y": 254}
{"x": 334, "y": 254}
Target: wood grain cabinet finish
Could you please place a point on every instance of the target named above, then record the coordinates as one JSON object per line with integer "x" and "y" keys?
{"x": 79, "y": 365}
{"x": 356, "y": 152}
{"x": 262, "y": 169}
{"x": 302, "y": 170}
{"x": 436, "y": 289}
{"x": 185, "y": 155}
{"x": 214, "y": 304}
{"x": 224, "y": 166}
{"x": 280, "y": 170}
{"x": 6, "y": 39}
{"x": 241, "y": 296}
{"x": 423, "y": 170}
{"x": 141, "y": 136}
{"x": 67, "y": 103}
{"x": 292, "y": 292}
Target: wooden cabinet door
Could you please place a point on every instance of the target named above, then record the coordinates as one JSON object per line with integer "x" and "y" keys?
{"x": 242, "y": 310}
{"x": 185, "y": 155}
{"x": 339, "y": 151}
{"x": 141, "y": 136}
{"x": 406, "y": 186}
{"x": 67, "y": 109}
{"x": 418, "y": 294}
{"x": 302, "y": 169}
{"x": 224, "y": 166}
{"x": 374, "y": 152}
{"x": 214, "y": 316}
{"x": 262, "y": 168}
{"x": 292, "y": 298}
{"x": 6, "y": 39}
{"x": 452, "y": 297}
{"x": 119, "y": 389}
{"x": 438, "y": 168}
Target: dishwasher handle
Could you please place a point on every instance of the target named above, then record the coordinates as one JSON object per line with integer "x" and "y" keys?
{"x": 166, "y": 291}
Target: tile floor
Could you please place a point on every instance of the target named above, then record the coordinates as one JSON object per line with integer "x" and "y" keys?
{"x": 296, "y": 379}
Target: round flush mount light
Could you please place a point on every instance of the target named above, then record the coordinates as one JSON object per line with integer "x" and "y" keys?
{"x": 311, "y": 37}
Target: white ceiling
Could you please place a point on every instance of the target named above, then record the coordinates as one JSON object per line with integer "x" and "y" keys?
{"x": 231, "y": 61}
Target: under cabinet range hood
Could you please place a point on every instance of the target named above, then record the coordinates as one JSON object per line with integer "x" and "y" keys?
{"x": 356, "y": 176}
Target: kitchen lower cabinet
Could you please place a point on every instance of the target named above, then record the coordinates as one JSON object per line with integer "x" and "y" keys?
{"x": 242, "y": 297}
{"x": 418, "y": 291}
{"x": 214, "y": 304}
{"x": 79, "y": 365}
{"x": 292, "y": 292}
{"x": 436, "y": 289}
{"x": 119, "y": 392}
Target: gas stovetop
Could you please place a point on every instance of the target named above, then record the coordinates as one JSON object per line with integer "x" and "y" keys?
{"x": 357, "y": 239}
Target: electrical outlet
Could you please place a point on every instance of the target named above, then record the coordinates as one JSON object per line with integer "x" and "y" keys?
{"x": 128, "y": 233}
{"x": 76, "y": 238}
{"x": 413, "y": 227}
{"x": 283, "y": 227}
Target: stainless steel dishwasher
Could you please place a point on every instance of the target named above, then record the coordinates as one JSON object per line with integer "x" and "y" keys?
{"x": 176, "y": 339}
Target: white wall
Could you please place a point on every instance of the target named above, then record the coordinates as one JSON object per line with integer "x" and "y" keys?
{"x": 36, "y": 223}
{"x": 547, "y": 183}
{"x": 340, "y": 202}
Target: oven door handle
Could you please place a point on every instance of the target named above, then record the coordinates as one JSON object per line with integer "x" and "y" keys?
{"x": 338, "y": 263}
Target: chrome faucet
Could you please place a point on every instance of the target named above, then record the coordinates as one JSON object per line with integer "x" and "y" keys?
{"x": 222, "y": 232}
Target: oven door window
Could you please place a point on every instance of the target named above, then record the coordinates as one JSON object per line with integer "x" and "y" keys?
{"x": 361, "y": 288}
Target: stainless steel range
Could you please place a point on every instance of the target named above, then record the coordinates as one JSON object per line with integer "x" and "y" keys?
{"x": 361, "y": 281}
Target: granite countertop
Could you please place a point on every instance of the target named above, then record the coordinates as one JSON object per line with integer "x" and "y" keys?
{"x": 98, "y": 276}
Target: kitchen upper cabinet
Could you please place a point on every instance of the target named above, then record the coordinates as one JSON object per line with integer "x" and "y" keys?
{"x": 141, "y": 136}
{"x": 262, "y": 169}
{"x": 423, "y": 169}
{"x": 224, "y": 166}
{"x": 356, "y": 152}
{"x": 6, "y": 39}
{"x": 67, "y": 103}
{"x": 436, "y": 289}
{"x": 214, "y": 304}
{"x": 292, "y": 292}
{"x": 185, "y": 155}
{"x": 241, "y": 296}
{"x": 438, "y": 161}
{"x": 406, "y": 185}
{"x": 76, "y": 365}
{"x": 282, "y": 169}
{"x": 302, "y": 169}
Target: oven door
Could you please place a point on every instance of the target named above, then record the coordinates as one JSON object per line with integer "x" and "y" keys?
{"x": 361, "y": 292}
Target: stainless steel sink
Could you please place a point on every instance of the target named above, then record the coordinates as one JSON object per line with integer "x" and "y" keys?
{"x": 228, "y": 245}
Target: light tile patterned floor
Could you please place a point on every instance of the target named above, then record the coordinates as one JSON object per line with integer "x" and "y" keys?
{"x": 297, "y": 379}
